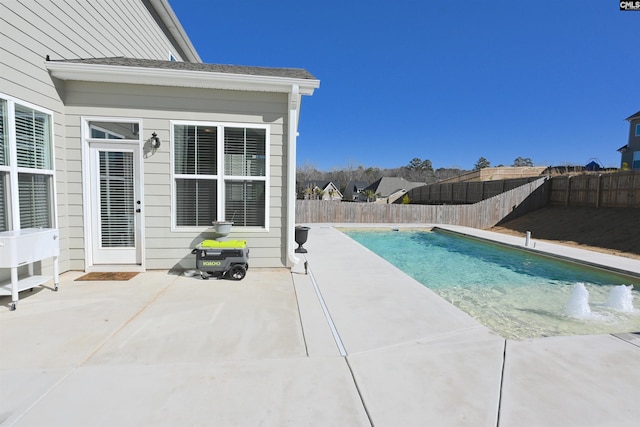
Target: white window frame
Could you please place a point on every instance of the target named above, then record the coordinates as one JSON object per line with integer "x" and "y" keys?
{"x": 638, "y": 129}
{"x": 221, "y": 177}
{"x": 12, "y": 170}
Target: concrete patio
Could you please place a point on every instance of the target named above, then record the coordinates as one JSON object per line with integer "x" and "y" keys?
{"x": 355, "y": 342}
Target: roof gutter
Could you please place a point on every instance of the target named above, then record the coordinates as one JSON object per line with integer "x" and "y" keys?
{"x": 177, "y": 77}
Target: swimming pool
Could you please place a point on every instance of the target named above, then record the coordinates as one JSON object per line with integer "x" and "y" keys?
{"x": 516, "y": 293}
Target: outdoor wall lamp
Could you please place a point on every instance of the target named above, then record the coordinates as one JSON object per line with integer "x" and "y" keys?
{"x": 155, "y": 141}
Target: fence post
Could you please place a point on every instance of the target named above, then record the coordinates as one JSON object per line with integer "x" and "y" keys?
{"x": 598, "y": 191}
{"x": 566, "y": 200}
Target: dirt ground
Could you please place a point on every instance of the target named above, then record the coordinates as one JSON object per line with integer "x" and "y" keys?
{"x": 611, "y": 230}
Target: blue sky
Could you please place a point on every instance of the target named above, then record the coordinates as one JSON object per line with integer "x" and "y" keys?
{"x": 448, "y": 81}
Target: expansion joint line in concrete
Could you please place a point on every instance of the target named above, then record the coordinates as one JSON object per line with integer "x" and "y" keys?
{"x": 125, "y": 324}
{"x": 304, "y": 338}
{"x": 336, "y": 337}
{"x": 327, "y": 316}
{"x": 504, "y": 359}
{"x": 355, "y": 382}
{"x": 87, "y": 358}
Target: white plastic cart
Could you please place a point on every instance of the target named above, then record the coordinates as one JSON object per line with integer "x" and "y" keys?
{"x": 24, "y": 247}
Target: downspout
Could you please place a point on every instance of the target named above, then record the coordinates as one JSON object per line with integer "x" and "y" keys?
{"x": 294, "y": 109}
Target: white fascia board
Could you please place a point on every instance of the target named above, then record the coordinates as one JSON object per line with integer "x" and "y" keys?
{"x": 177, "y": 78}
{"x": 171, "y": 21}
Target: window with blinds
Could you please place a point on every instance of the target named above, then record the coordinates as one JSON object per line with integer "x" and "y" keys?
{"x": 29, "y": 143}
{"x": 195, "y": 169}
{"x": 219, "y": 183}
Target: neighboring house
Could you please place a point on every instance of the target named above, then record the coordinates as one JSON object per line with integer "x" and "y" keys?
{"x": 321, "y": 190}
{"x": 631, "y": 151}
{"x": 354, "y": 191}
{"x": 593, "y": 166}
{"x": 389, "y": 189}
{"x": 115, "y": 132}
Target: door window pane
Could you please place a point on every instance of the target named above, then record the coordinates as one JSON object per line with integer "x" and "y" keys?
{"x": 117, "y": 204}
{"x": 113, "y": 130}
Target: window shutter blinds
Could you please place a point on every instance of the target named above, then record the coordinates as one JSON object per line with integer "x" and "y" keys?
{"x": 4, "y": 226}
{"x": 4, "y": 153}
{"x": 244, "y": 151}
{"x": 117, "y": 204}
{"x": 32, "y": 139}
{"x": 35, "y": 200}
{"x": 184, "y": 149}
{"x": 196, "y": 202}
{"x": 195, "y": 150}
{"x": 245, "y": 203}
{"x": 206, "y": 151}
{"x": 4, "y": 137}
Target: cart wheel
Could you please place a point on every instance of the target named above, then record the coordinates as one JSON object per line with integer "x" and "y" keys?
{"x": 237, "y": 272}
{"x": 55, "y": 288}
{"x": 12, "y": 307}
{"x": 204, "y": 276}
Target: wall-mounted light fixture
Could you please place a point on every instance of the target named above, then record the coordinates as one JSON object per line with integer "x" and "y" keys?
{"x": 155, "y": 141}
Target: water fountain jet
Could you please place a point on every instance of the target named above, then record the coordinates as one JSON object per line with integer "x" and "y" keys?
{"x": 621, "y": 298}
{"x": 578, "y": 305}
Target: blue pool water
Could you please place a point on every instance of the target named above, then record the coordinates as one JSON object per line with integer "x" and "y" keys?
{"x": 516, "y": 293}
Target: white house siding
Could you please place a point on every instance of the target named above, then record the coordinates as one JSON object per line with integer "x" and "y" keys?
{"x": 157, "y": 106}
{"x": 63, "y": 29}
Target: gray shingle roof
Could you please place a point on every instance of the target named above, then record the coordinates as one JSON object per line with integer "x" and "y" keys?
{"x": 386, "y": 186}
{"x": 633, "y": 116}
{"x": 296, "y": 73}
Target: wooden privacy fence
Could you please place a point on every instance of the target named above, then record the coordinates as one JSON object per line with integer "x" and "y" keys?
{"x": 484, "y": 214}
{"x": 464, "y": 192}
{"x": 613, "y": 190}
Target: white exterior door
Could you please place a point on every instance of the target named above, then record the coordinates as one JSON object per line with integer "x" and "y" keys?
{"x": 113, "y": 193}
